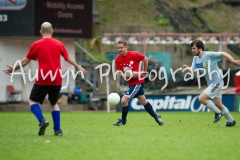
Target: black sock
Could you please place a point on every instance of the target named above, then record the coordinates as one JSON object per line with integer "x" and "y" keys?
{"x": 124, "y": 113}
{"x": 149, "y": 109}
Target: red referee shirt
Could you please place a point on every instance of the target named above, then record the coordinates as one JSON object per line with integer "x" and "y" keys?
{"x": 47, "y": 51}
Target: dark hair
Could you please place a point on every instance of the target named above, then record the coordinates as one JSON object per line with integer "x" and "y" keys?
{"x": 124, "y": 42}
{"x": 199, "y": 44}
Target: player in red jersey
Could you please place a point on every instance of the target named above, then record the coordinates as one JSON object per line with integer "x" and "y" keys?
{"x": 47, "y": 52}
{"x": 128, "y": 62}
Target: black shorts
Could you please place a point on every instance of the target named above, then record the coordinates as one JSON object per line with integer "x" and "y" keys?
{"x": 39, "y": 93}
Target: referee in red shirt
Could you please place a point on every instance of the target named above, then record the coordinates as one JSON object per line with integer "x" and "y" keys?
{"x": 47, "y": 52}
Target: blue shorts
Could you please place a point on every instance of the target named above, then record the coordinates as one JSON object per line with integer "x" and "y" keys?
{"x": 135, "y": 91}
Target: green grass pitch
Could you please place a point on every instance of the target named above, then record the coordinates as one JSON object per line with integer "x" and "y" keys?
{"x": 185, "y": 136}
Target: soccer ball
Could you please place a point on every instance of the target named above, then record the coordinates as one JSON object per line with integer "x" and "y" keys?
{"x": 113, "y": 98}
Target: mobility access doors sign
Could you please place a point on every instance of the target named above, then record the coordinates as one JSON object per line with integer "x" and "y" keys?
{"x": 70, "y": 18}
{"x": 23, "y": 18}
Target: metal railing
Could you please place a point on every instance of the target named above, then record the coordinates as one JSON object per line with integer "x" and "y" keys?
{"x": 91, "y": 80}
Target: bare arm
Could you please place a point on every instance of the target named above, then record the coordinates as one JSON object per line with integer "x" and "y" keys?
{"x": 128, "y": 74}
{"x": 145, "y": 64}
{"x": 9, "y": 70}
{"x": 230, "y": 58}
{"x": 134, "y": 74}
{"x": 74, "y": 63}
{"x": 187, "y": 68}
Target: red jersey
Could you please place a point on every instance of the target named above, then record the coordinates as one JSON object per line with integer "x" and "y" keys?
{"x": 130, "y": 62}
{"x": 47, "y": 51}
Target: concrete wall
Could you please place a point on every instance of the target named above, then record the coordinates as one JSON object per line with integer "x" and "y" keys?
{"x": 15, "y": 49}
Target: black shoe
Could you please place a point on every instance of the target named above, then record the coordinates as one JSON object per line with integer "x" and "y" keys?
{"x": 231, "y": 124}
{"x": 120, "y": 122}
{"x": 58, "y": 133}
{"x": 43, "y": 126}
{"x": 217, "y": 117}
{"x": 159, "y": 120}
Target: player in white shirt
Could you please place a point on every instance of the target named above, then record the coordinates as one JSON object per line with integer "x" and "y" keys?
{"x": 206, "y": 61}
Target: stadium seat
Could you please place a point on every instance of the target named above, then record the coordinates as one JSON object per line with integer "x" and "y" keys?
{"x": 83, "y": 98}
{"x": 94, "y": 102}
{"x": 12, "y": 93}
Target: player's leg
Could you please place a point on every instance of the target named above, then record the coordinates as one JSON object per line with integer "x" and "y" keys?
{"x": 210, "y": 92}
{"x": 225, "y": 111}
{"x": 142, "y": 99}
{"x": 53, "y": 96}
{"x": 148, "y": 107}
{"x": 37, "y": 96}
{"x": 124, "y": 103}
{"x": 131, "y": 93}
{"x": 56, "y": 119}
{"x": 218, "y": 102}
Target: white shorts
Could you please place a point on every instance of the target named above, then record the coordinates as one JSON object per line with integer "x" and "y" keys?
{"x": 214, "y": 90}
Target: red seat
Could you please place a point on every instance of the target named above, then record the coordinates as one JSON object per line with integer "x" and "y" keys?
{"x": 12, "y": 93}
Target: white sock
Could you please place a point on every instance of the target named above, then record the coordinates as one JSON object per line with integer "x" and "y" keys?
{"x": 227, "y": 115}
{"x": 212, "y": 107}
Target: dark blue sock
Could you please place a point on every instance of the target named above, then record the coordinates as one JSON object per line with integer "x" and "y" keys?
{"x": 36, "y": 110}
{"x": 124, "y": 113}
{"x": 149, "y": 109}
{"x": 56, "y": 120}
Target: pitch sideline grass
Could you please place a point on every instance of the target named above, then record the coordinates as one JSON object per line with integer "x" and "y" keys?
{"x": 185, "y": 135}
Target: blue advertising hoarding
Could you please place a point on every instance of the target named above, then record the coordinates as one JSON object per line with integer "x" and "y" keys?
{"x": 179, "y": 103}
